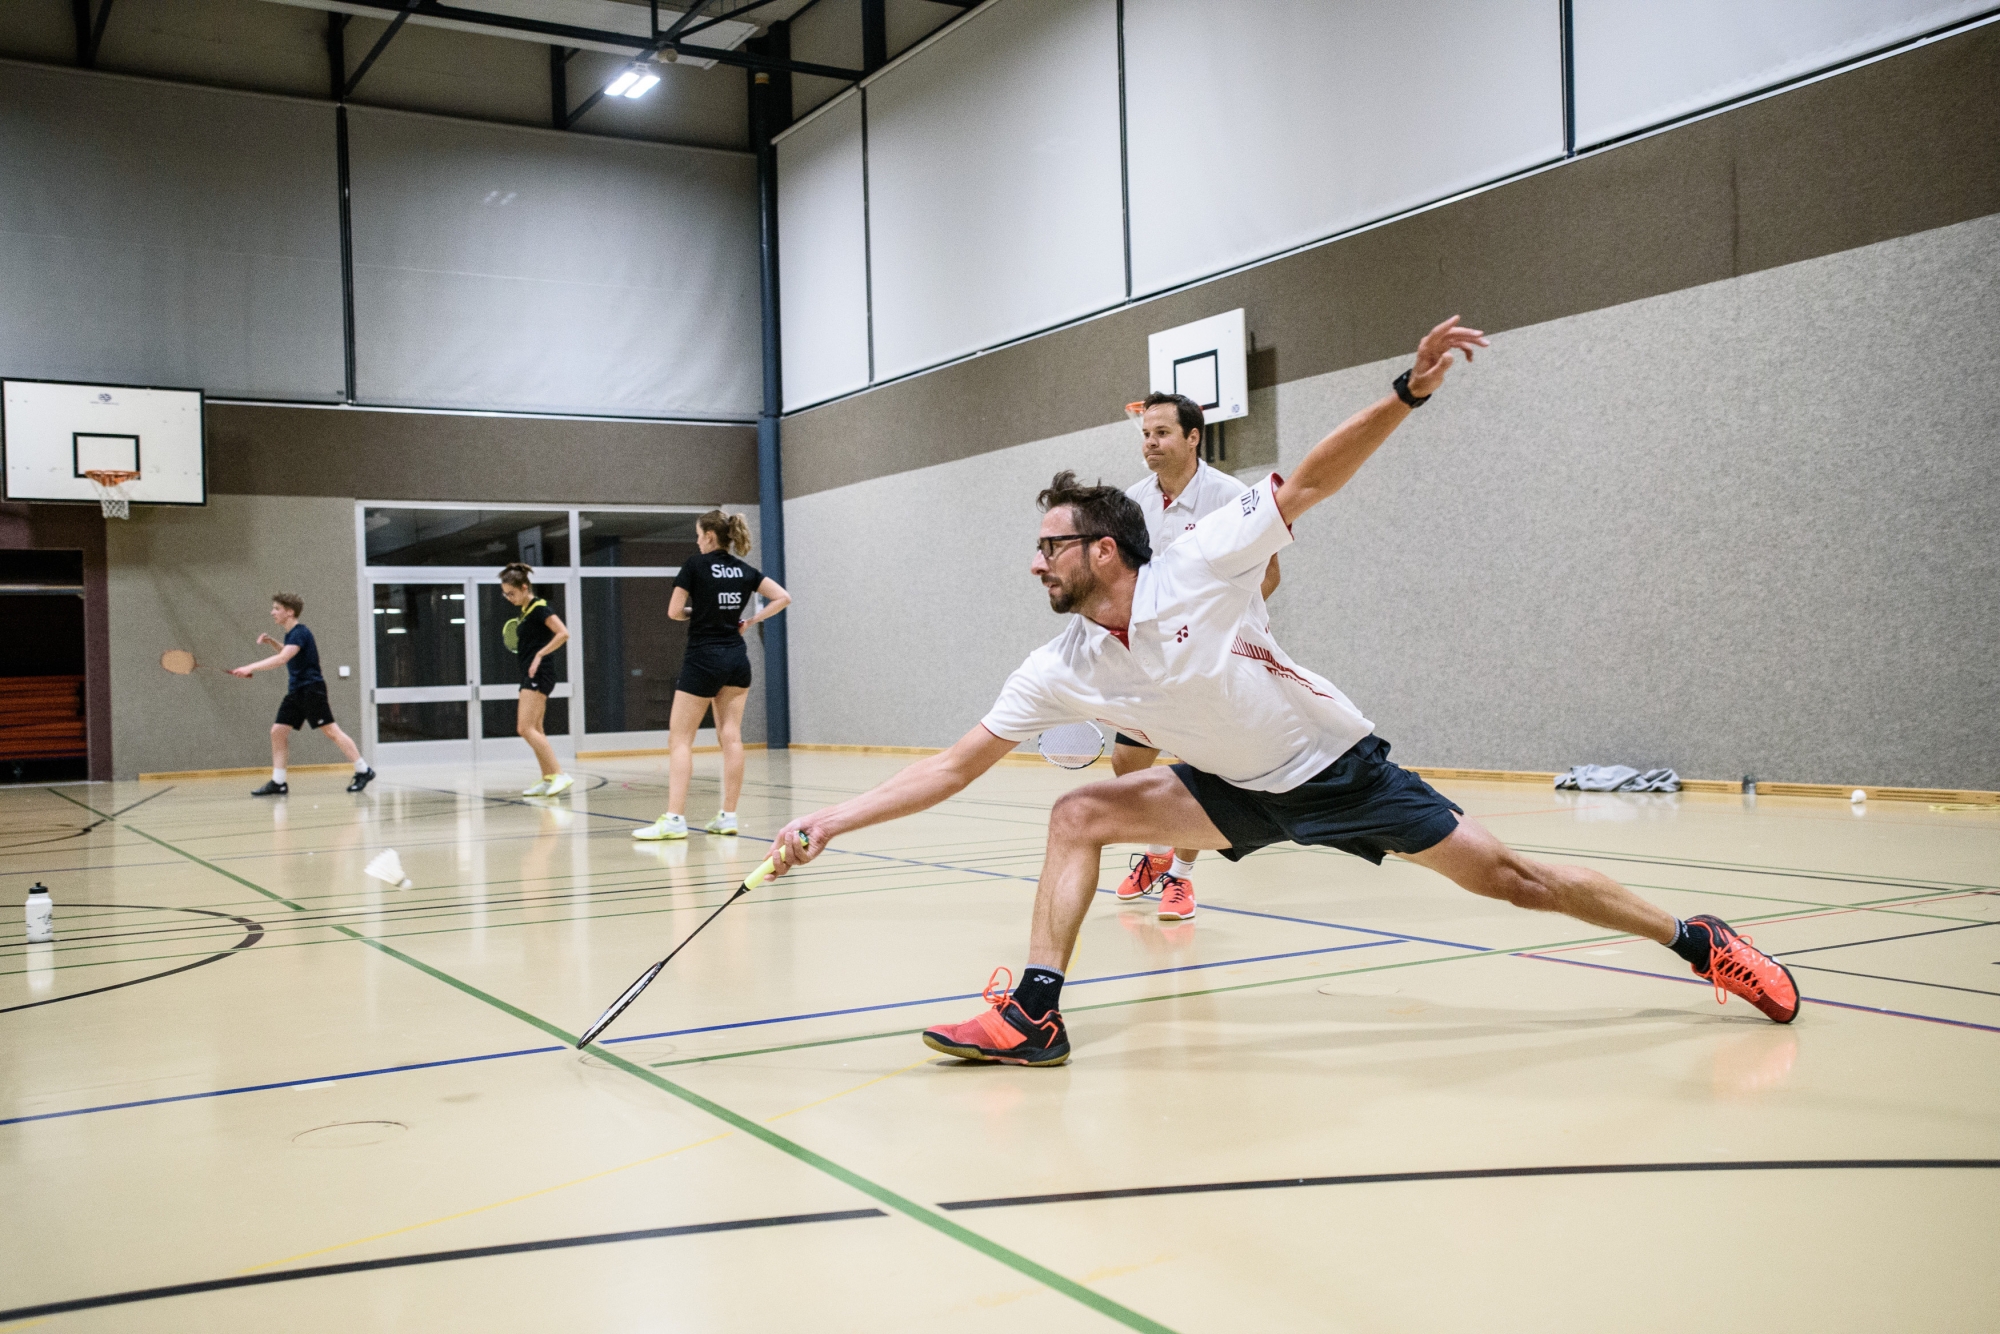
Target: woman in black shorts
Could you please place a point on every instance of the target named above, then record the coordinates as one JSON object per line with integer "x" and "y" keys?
{"x": 534, "y": 635}
{"x": 711, "y": 594}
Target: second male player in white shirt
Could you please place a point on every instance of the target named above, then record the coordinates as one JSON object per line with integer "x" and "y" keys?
{"x": 1179, "y": 490}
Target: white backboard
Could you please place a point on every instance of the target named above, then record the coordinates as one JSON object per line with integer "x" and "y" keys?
{"x": 52, "y": 432}
{"x": 1208, "y": 361}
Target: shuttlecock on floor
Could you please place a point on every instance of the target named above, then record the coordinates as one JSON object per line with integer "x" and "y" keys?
{"x": 389, "y": 867}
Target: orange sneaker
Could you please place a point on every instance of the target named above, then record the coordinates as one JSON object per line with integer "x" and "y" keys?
{"x": 1736, "y": 965}
{"x": 1004, "y": 1033}
{"x": 1146, "y": 868}
{"x": 1176, "y": 898}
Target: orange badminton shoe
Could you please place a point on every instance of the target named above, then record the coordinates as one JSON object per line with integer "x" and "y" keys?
{"x": 1176, "y": 898}
{"x": 1005, "y": 1033}
{"x": 1736, "y": 966}
{"x": 1146, "y": 868}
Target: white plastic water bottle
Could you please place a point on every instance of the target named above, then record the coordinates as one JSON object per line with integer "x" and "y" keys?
{"x": 41, "y": 915}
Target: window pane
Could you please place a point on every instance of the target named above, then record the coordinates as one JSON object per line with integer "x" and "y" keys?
{"x": 466, "y": 537}
{"x": 632, "y": 653}
{"x": 497, "y": 717}
{"x": 420, "y": 635}
{"x": 612, "y": 538}
{"x": 441, "y": 721}
{"x": 501, "y": 666}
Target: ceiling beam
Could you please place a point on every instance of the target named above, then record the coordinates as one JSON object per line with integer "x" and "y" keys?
{"x": 381, "y": 44}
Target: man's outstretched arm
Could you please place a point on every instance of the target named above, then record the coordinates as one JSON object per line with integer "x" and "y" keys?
{"x": 919, "y": 787}
{"x": 1332, "y": 463}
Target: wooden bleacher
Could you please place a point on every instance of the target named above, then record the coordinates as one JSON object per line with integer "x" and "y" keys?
{"x": 41, "y": 718}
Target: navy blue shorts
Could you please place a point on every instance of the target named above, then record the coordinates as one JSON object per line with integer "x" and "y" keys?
{"x": 711, "y": 665}
{"x": 1360, "y": 803}
{"x": 542, "y": 682}
{"x": 305, "y": 707}
{"x": 1124, "y": 740}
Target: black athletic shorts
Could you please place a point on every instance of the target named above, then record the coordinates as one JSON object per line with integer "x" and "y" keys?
{"x": 1360, "y": 803}
{"x": 543, "y": 681}
{"x": 1124, "y": 740}
{"x": 713, "y": 664}
{"x": 305, "y": 707}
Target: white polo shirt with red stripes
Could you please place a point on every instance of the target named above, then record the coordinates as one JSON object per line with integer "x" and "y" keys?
{"x": 1166, "y": 521}
{"x": 1197, "y": 672}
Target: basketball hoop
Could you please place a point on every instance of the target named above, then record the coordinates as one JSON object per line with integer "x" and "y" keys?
{"x": 110, "y": 484}
{"x": 1137, "y": 412}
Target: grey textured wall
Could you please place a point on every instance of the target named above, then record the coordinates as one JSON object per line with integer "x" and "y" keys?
{"x": 1748, "y": 526}
{"x": 201, "y": 579}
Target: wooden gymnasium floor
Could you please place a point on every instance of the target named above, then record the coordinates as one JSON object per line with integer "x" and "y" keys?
{"x": 1343, "y": 1099}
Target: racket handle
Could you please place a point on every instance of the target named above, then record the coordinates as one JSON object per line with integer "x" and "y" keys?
{"x": 763, "y": 873}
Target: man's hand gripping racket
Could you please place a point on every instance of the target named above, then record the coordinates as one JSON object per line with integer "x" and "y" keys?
{"x": 779, "y": 858}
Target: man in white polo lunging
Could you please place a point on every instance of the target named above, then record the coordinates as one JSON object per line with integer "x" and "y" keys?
{"x": 1178, "y": 649}
{"x": 1179, "y": 490}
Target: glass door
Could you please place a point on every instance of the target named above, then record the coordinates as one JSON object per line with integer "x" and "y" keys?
{"x": 500, "y": 674}
{"x": 422, "y": 688}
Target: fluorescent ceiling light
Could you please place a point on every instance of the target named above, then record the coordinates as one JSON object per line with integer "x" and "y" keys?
{"x": 643, "y": 86}
{"x": 617, "y": 87}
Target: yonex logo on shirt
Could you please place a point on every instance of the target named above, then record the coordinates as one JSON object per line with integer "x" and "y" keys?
{"x": 1181, "y": 638}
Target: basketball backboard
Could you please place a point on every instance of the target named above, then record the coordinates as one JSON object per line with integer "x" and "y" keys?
{"x": 1207, "y": 361}
{"x": 52, "y": 433}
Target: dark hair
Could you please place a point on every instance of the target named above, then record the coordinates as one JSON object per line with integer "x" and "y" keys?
{"x": 1102, "y": 511}
{"x": 291, "y": 602}
{"x": 1185, "y": 408}
{"x": 730, "y": 530}
{"x": 518, "y": 575}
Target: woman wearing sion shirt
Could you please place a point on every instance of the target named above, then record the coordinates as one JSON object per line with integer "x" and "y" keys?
{"x": 711, "y": 594}
{"x": 534, "y": 635}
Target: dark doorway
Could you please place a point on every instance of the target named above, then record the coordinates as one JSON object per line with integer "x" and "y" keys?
{"x": 43, "y": 733}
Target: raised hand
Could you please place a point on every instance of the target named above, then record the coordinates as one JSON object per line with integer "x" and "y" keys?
{"x": 1434, "y": 354}
{"x": 266, "y": 639}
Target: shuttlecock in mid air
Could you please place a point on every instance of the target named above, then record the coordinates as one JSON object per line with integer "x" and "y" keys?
{"x": 389, "y": 867}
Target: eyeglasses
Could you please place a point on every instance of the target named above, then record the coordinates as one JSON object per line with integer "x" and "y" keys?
{"x": 1051, "y": 545}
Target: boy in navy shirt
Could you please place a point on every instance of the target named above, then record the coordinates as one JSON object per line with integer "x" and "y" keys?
{"x": 305, "y": 702}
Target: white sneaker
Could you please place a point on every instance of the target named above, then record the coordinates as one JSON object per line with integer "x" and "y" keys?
{"x": 721, "y": 824}
{"x": 540, "y": 789}
{"x": 667, "y": 826}
{"x": 558, "y": 785}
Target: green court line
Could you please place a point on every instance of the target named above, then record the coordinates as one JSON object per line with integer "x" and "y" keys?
{"x": 931, "y": 1218}
{"x": 179, "y": 852}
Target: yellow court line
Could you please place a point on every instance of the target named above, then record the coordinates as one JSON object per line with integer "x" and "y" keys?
{"x": 844, "y": 1092}
{"x": 467, "y": 1213}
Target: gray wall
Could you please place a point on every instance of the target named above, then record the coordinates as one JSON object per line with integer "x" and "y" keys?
{"x": 1750, "y": 526}
{"x": 201, "y": 579}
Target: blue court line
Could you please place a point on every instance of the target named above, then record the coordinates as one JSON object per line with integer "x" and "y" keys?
{"x": 977, "y": 995}
{"x": 281, "y": 1084}
{"x": 1816, "y": 1000}
{"x": 679, "y": 1032}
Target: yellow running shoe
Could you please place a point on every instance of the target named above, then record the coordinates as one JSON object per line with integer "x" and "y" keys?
{"x": 666, "y": 827}
{"x": 558, "y": 785}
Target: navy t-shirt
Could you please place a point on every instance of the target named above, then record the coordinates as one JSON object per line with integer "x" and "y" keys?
{"x": 719, "y": 586}
{"x": 304, "y": 666}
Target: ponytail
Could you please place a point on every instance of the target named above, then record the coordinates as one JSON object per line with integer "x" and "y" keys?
{"x": 731, "y": 530}
{"x": 517, "y": 575}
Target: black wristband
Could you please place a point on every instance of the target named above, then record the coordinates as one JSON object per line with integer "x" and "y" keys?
{"x": 1403, "y": 392}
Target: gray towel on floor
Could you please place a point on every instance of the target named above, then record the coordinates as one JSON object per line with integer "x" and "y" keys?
{"x": 1617, "y": 778}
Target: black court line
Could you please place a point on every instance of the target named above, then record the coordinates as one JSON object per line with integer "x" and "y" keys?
{"x": 1906, "y": 981}
{"x": 1883, "y": 940}
{"x": 422, "y": 1258}
{"x": 1477, "y": 1174}
{"x": 253, "y": 931}
{"x": 142, "y": 801}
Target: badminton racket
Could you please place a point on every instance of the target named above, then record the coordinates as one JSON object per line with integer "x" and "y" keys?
{"x": 1073, "y": 745}
{"x": 181, "y": 663}
{"x": 750, "y": 882}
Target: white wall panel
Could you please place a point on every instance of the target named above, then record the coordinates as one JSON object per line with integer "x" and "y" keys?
{"x": 822, "y": 256}
{"x": 1641, "y": 62}
{"x": 1268, "y": 124}
{"x": 993, "y": 175}
{"x": 527, "y": 270}
{"x": 152, "y": 233}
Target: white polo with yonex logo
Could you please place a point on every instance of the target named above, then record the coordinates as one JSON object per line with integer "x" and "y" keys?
{"x": 1203, "y": 676}
{"x": 1207, "y": 491}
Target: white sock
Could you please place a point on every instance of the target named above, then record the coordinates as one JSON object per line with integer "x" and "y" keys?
{"x": 1180, "y": 868}
{"x": 277, "y": 774}
{"x": 726, "y": 815}
{"x": 1157, "y": 849}
{"x": 361, "y": 766}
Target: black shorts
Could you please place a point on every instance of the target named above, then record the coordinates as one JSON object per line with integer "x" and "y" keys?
{"x": 1360, "y": 803}
{"x": 543, "y": 681}
{"x": 711, "y": 665}
{"x": 1124, "y": 740}
{"x": 305, "y": 707}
